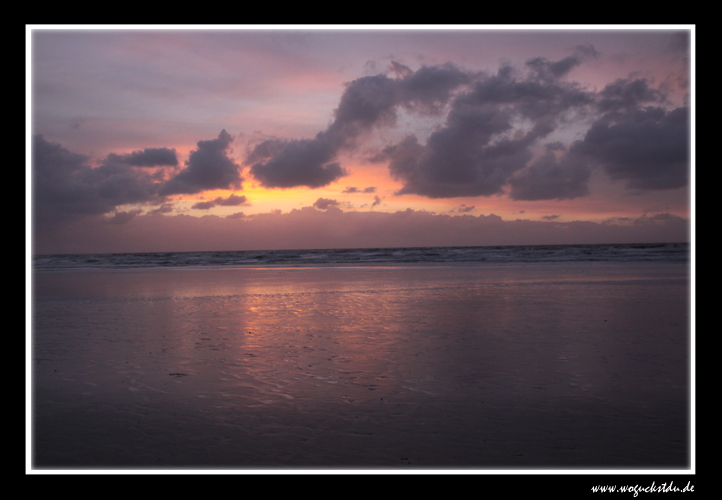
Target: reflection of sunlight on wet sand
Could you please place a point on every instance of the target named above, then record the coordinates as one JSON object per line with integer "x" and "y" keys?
{"x": 288, "y": 334}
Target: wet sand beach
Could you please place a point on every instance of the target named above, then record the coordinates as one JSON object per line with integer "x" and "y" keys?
{"x": 483, "y": 367}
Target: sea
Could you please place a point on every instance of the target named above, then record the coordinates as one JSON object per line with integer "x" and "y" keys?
{"x": 489, "y": 255}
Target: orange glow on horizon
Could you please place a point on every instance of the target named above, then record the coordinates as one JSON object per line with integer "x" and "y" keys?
{"x": 364, "y": 175}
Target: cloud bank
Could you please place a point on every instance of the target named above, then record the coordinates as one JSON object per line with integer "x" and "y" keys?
{"x": 334, "y": 228}
{"x": 66, "y": 185}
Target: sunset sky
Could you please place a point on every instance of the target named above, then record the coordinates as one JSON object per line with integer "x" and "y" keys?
{"x": 238, "y": 139}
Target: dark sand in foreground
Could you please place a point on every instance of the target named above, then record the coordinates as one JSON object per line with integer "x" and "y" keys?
{"x": 539, "y": 366}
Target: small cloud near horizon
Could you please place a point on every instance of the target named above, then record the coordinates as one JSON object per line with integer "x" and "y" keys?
{"x": 232, "y": 201}
{"x": 325, "y": 203}
{"x": 352, "y": 190}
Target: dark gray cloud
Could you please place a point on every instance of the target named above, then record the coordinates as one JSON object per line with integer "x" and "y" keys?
{"x": 494, "y": 129}
{"x": 306, "y": 162}
{"x": 646, "y": 148}
{"x": 149, "y": 157}
{"x": 549, "y": 178}
{"x": 400, "y": 70}
{"x": 627, "y": 94}
{"x": 265, "y": 150}
{"x": 232, "y": 201}
{"x": 325, "y": 203}
{"x": 548, "y": 70}
{"x": 65, "y": 185}
{"x": 460, "y": 160}
{"x": 366, "y": 103}
{"x": 431, "y": 87}
{"x": 203, "y": 205}
{"x": 54, "y": 163}
{"x": 352, "y": 190}
{"x": 537, "y": 94}
{"x": 552, "y": 70}
{"x": 587, "y": 51}
{"x": 545, "y": 69}
{"x": 208, "y": 167}
{"x": 483, "y": 144}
